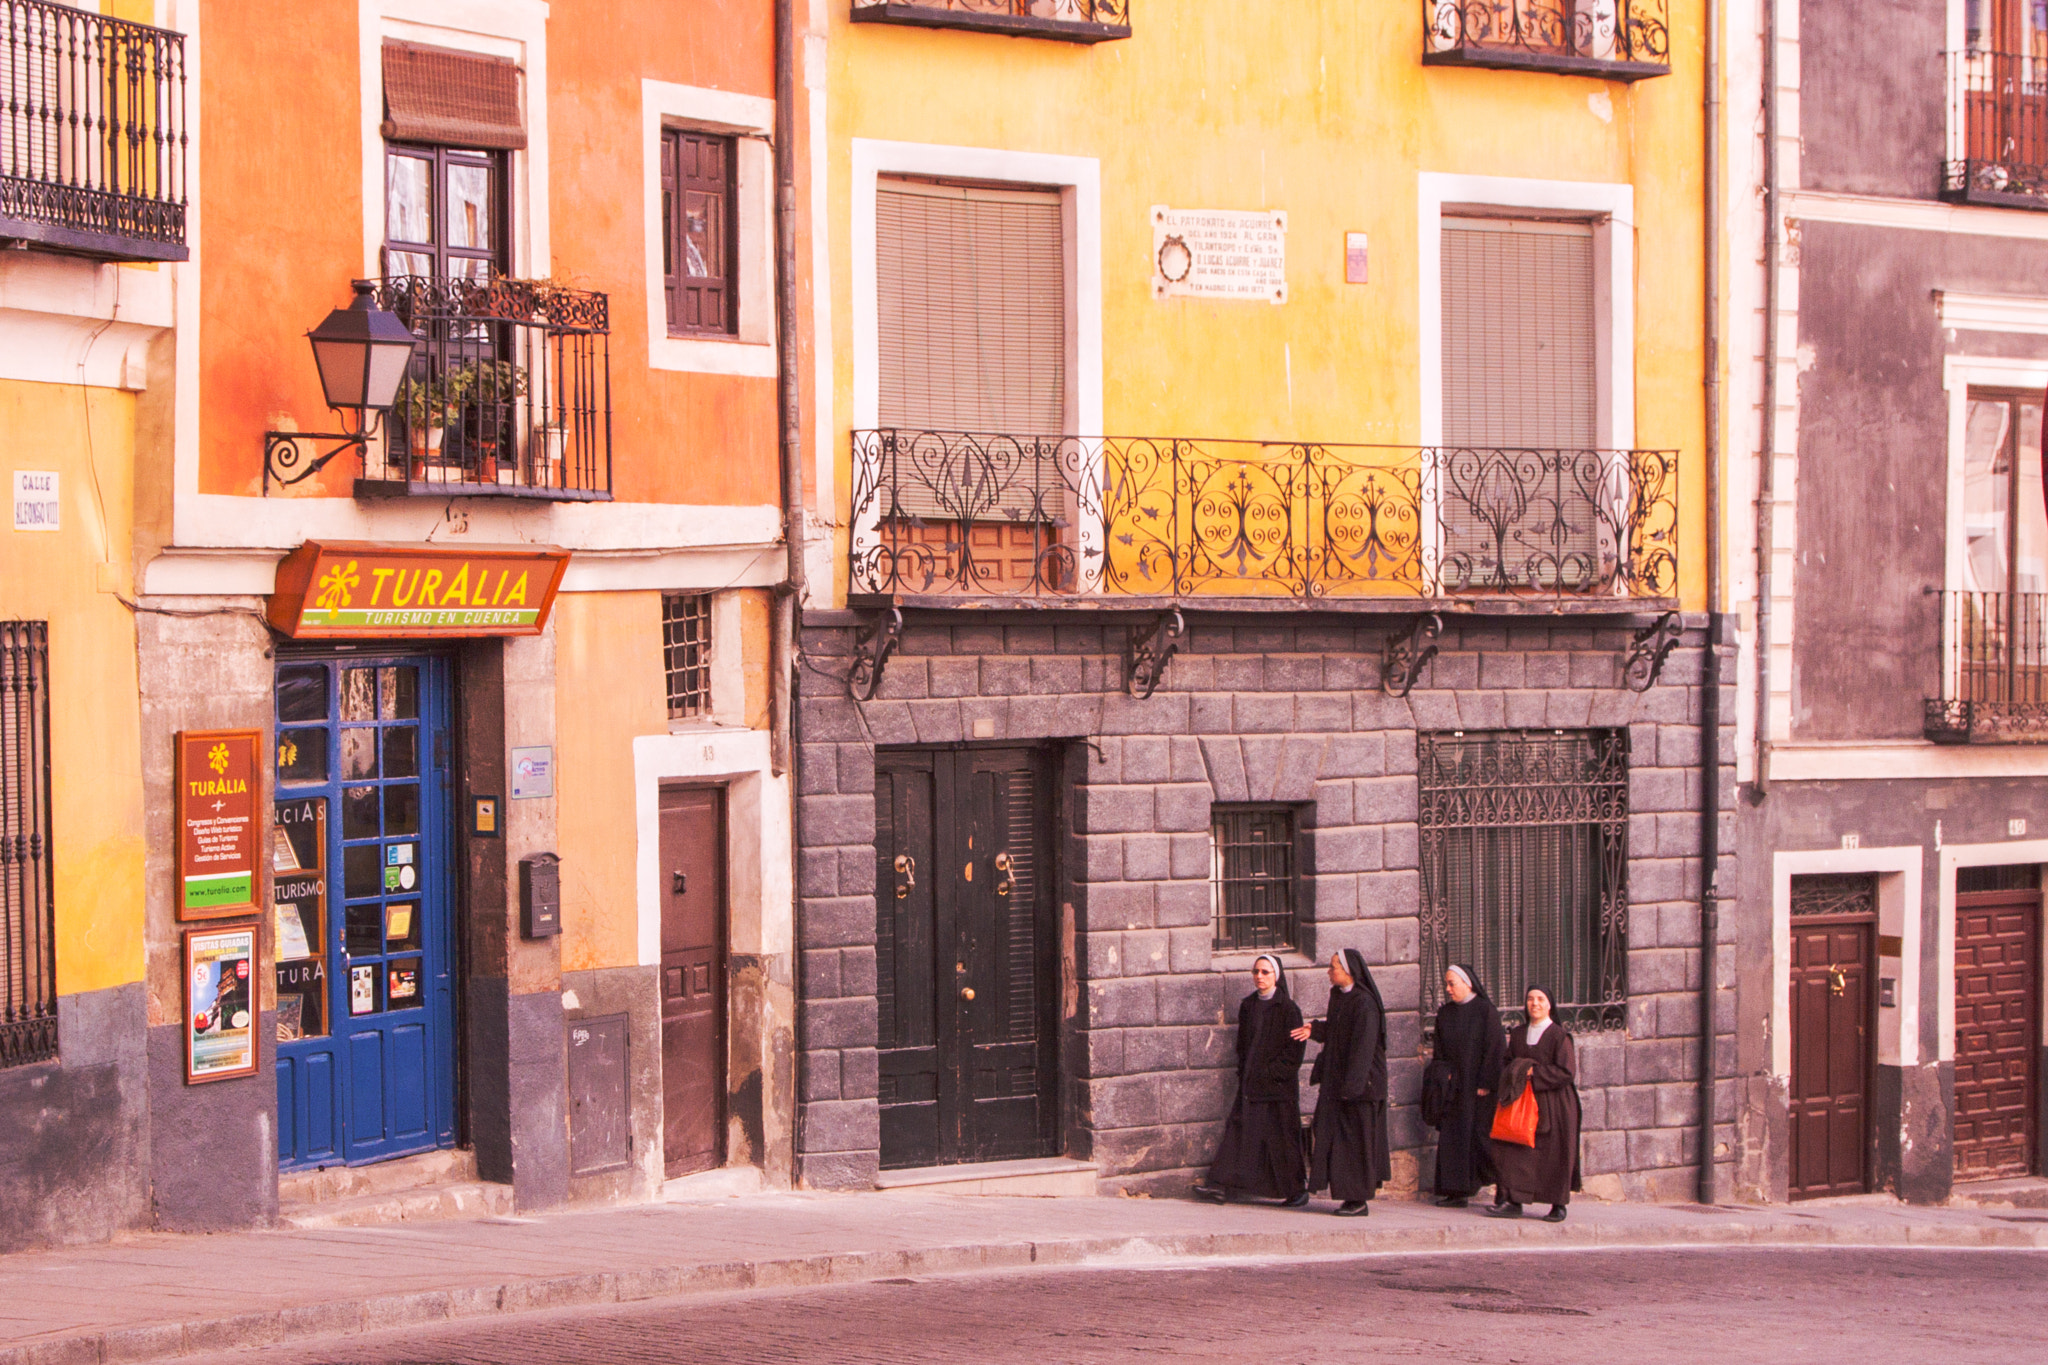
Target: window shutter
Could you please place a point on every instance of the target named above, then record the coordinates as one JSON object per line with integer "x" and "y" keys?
{"x": 1518, "y": 334}
{"x": 973, "y": 309}
{"x": 451, "y": 99}
{"x": 669, "y": 224}
{"x": 699, "y": 241}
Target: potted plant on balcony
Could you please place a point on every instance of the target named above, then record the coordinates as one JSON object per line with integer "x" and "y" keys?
{"x": 430, "y": 405}
{"x": 490, "y": 388}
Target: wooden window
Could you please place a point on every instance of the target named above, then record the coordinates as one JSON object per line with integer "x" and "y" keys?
{"x": 1254, "y": 877}
{"x": 444, "y": 213}
{"x": 1524, "y": 839}
{"x": 28, "y": 961}
{"x": 686, "y": 653}
{"x": 699, "y": 232}
{"x": 972, "y": 284}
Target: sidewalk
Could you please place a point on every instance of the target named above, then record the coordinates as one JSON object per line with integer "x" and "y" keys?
{"x": 158, "y": 1296}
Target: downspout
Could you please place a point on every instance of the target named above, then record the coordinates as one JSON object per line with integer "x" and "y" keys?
{"x": 1710, "y": 674}
{"x": 790, "y": 595}
{"x": 1767, "y": 467}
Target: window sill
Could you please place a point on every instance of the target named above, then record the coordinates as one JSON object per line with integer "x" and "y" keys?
{"x": 1559, "y": 64}
{"x": 1241, "y": 960}
{"x": 741, "y": 356}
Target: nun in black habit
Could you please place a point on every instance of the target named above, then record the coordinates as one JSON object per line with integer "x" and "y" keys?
{"x": 1351, "y": 1156}
{"x": 1260, "y": 1155}
{"x": 1473, "y": 1047}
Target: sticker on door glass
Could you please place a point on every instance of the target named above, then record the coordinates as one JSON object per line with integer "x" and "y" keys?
{"x": 362, "y": 990}
{"x": 399, "y": 874}
{"x": 403, "y": 982}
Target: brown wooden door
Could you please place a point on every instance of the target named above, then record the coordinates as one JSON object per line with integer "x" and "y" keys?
{"x": 964, "y": 956}
{"x": 1832, "y": 1026}
{"x": 692, "y": 977}
{"x": 1997, "y": 952}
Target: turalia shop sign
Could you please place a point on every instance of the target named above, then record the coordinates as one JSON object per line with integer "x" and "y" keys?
{"x": 355, "y": 590}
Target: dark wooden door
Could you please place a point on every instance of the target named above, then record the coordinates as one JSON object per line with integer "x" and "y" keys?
{"x": 1831, "y": 1055}
{"x": 1997, "y": 949}
{"x": 964, "y": 956}
{"x": 692, "y": 977}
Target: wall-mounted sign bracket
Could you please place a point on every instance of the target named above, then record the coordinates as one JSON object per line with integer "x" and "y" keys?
{"x": 872, "y": 646}
{"x": 1653, "y": 644}
{"x": 1150, "y": 649}
{"x": 1407, "y": 653}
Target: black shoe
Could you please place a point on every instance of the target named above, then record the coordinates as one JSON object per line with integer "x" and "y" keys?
{"x": 1212, "y": 1194}
{"x": 1453, "y": 1201}
{"x": 1505, "y": 1211}
{"x": 1300, "y": 1201}
{"x": 1556, "y": 1214}
{"x": 1353, "y": 1208}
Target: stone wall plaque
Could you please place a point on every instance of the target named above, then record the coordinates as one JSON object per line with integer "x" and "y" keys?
{"x": 1219, "y": 254}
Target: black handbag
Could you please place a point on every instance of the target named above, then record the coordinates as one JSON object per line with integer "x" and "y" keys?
{"x": 1439, "y": 1091}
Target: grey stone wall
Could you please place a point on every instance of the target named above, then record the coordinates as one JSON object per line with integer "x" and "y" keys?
{"x": 1252, "y": 709}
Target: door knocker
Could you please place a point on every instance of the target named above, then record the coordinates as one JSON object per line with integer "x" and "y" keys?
{"x": 906, "y": 868}
{"x": 1838, "y": 980}
{"x": 1009, "y": 878}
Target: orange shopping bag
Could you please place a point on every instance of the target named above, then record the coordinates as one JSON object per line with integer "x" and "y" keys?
{"x": 1516, "y": 1121}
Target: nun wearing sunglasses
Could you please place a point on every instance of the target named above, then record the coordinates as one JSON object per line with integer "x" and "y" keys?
{"x": 1260, "y": 1155}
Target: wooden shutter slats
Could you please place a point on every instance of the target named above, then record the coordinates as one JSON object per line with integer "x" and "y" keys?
{"x": 698, "y": 171}
{"x": 453, "y": 99}
{"x": 1518, "y": 335}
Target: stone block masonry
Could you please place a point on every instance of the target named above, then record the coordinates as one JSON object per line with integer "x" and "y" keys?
{"x": 1252, "y": 710}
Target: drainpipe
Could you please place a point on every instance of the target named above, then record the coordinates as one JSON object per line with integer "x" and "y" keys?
{"x": 1710, "y": 677}
{"x": 790, "y": 595}
{"x": 1767, "y": 470}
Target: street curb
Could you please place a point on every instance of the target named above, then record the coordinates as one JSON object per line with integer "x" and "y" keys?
{"x": 349, "y": 1318}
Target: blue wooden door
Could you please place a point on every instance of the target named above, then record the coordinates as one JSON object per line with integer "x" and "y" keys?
{"x": 363, "y": 883}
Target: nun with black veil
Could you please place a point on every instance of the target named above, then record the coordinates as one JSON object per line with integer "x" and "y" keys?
{"x": 1350, "y": 1158}
{"x": 1472, "y": 1047}
{"x": 1541, "y": 1058}
{"x": 1260, "y": 1155}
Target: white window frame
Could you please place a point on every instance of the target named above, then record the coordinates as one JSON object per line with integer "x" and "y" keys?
{"x": 750, "y": 121}
{"x": 514, "y": 29}
{"x": 1079, "y": 181}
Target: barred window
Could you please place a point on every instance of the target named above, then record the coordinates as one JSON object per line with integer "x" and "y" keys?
{"x": 28, "y": 957}
{"x": 1524, "y": 838}
{"x": 686, "y": 652}
{"x": 1254, "y": 877}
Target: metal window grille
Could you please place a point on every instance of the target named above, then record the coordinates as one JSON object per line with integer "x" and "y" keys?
{"x": 686, "y": 651}
{"x": 1835, "y": 893}
{"x": 1524, "y": 838}
{"x": 1254, "y": 882}
{"x": 28, "y": 958}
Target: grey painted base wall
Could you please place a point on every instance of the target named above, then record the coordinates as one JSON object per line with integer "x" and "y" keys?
{"x": 74, "y": 1132}
{"x": 1912, "y": 1108}
{"x": 1253, "y": 710}
{"x": 213, "y": 1147}
{"x": 636, "y": 993}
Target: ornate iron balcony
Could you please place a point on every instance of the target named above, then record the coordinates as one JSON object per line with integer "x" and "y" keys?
{"x": 1997, "y": 129}
{"x": 1073, "y": 21}
{"x": 92, "y": 133}
{"x": 1994, "y": 669}
{"x": 508, "y": 393}
{"x": 1623, "y": 40}
{"x": 984, "y": 515}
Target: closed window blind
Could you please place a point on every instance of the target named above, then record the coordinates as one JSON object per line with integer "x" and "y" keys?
{"x": 973, "y": 309}
{"x": 1518, "y": 334}
{"x": 456, "y": 99}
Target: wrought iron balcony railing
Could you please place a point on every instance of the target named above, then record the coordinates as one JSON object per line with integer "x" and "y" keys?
{"x": 1624, "y": 40}
{"x": 1994, "y": 669}
{"x": 92, "y": 133}
{"x": 1997, "y": 129}
{"x": 508, "y": 393}
{"x": 977, "y": 515}
{"x": 1073, "y": 21}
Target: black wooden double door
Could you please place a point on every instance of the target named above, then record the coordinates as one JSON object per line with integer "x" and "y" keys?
{"x": 965, "y": 955}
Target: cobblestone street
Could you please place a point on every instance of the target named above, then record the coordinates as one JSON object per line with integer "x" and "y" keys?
{"x": 1869, "y": 1306}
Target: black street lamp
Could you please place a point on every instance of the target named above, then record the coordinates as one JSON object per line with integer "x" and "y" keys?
{"x": 361, "y": 352}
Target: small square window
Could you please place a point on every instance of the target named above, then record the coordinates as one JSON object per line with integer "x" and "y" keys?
{"x": 1254, "y": 878}
{"x": 686, "y": 653}
{"x": 699, "y": 225}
